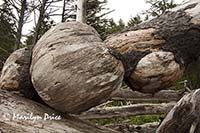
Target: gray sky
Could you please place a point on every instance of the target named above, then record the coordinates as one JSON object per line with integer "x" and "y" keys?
{"x": 124, "y": 9}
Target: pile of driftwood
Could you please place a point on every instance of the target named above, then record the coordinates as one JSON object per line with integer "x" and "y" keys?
{"x": 70, "y": 70}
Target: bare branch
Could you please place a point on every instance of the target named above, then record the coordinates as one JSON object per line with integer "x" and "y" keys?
{"x": 125, "y": 111}
{"x": 4, "y": 50}
{"x": 134, "y": 96}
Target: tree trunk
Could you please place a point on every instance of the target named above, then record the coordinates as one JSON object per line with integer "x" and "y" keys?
{"x": 81, "y": 11}
{"x": 20, "y": 24}
{"x": 184, "y": 117}
{"x": 155, "y": 53}
{"x": 39, "y": 22}
{"x": 71, "y": 70}
{"x": 21, "y": 115}
{"x": 63, "y": 11}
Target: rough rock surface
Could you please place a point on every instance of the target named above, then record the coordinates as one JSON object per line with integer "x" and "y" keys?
{"x": 71, "y": 70}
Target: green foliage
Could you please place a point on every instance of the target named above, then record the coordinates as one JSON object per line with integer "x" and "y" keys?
{"x": 134, "y": 21}
{"x": 95, "y": 16}
{"x": 112, "y": 27}
{"x": 46, "y": 24}
{"x": 29, "y": 39}
{"x": 158, "y": 7}
{"x": 142, "y": 119}
{"x": 7, "y": 31}
{"x": 192, "y": 75}
{"x": 97, "y": 19}
{"x": 132, "y": 120}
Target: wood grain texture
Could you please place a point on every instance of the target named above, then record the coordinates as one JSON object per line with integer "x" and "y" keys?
{"x": 184, "y": 117}
{"x": 15, "y": 73}
{"x": 129, "y": 110}
{"x": 138, "y": 97}
{"x": 155, "y": 53}
{"x": 71, "y": 70}
{"x": 11, "y": 105}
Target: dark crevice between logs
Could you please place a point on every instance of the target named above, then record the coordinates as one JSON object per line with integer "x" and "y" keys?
{"x": 129, "y": 61}
{"x": 26, "y": 86}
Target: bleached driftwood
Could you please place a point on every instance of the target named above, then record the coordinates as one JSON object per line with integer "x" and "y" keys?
{"x": 155, "y": 53}
{"x": 71, "y": 70}
{"x": 184, "y": 117}
{"x": 14, "y": 110}
{"x": 129, "y": 110}
{"x": 134, "y": 96}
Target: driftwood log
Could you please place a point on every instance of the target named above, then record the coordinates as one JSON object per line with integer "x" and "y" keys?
{"x": 129, "y": 110}
{"x": 21, "y": 115}
{"x": 138, "y": 97}
{"x": 125, "y": 128}
{"x": 184, "y": 117}
{"x": 155, "y": 53}
{"x": 71, "y": 70}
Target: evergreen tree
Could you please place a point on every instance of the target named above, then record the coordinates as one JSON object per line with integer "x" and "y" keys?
{"x": 46, "y": 24}
{"x": 134, "y": 20}
{"x": 94, "y": 15}
{"x": 158, "y": 7}
{"x": 7, "y": 30}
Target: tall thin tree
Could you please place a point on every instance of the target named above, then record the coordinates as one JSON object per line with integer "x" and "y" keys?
{"x": 20, "y": 23}
{"x": 39, "y": 22}
{"x": 81, "y": 11}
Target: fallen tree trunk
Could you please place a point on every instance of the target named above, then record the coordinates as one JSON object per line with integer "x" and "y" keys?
{"x": 71, "y": 70}
{"x": 125, "y": 111}
{"x": 125, "y": 128}
{"x": 21, "y": 115}
{"x": 155, "y": 53}
{"x": 134, "y": 96}
{"x": 184, "y": 117}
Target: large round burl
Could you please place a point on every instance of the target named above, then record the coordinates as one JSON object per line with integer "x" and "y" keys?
{"x": 72, "y": 71}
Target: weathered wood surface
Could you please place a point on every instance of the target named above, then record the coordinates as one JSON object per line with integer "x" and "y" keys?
{"x": 184, "y": 117}
{"x": 155, "y": 53}
{"x": 125, "y": 128}
{"x": 12, "y": 105}
{"x": 135, "y": 96}
{"x": 129, "y": 110}
{"x": 15, "y": 74}
{"x": 71, "y": 70}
